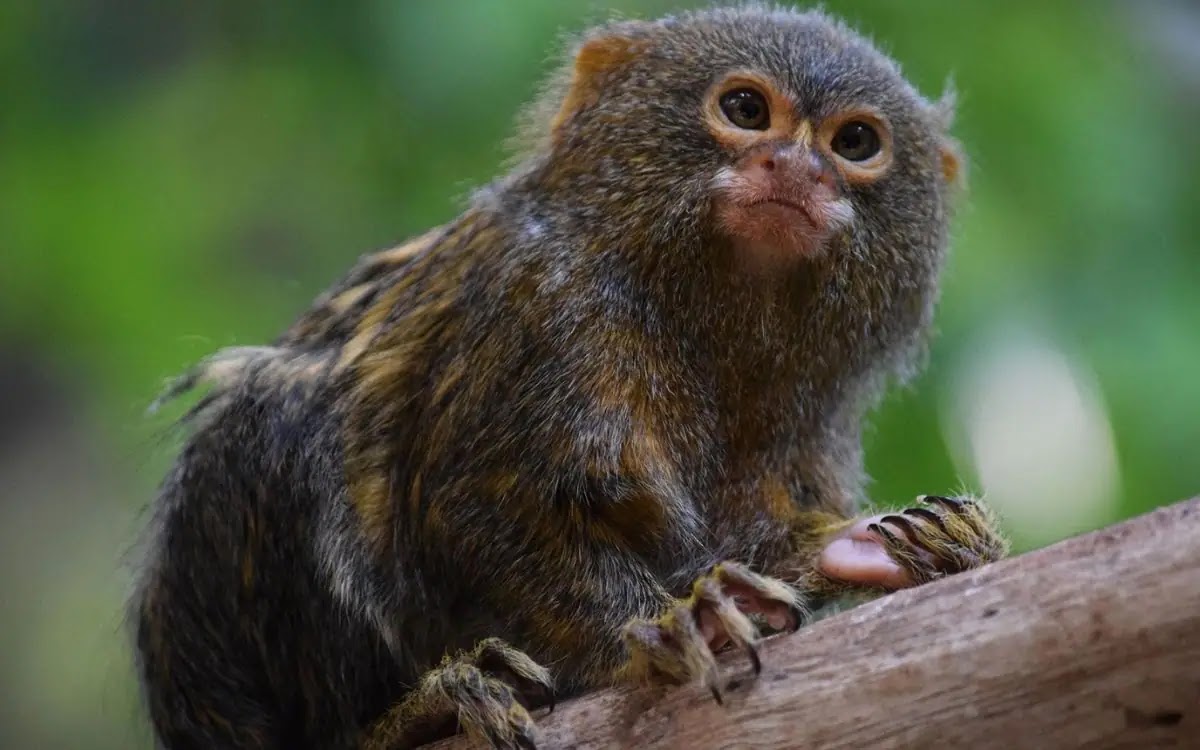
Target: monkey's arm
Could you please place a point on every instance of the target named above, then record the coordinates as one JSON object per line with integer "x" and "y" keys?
{"x": 834, "y": 550}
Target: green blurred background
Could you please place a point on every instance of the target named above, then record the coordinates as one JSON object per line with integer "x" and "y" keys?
{"x": 177, "y": 177}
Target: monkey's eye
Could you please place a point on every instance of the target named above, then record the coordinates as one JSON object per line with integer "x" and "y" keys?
{"x": 746, "y": 108}
{"x": 856, "y": 141}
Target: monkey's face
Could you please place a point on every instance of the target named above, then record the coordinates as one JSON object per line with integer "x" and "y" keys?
{"x": 816, "y": 148}
{"x": 783, "y": 193}
{"x": 783, "y": 134}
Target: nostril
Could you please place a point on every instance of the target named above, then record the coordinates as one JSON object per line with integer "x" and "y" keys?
{"x": 767, "y": 163}
{"x": 821, "y": 172}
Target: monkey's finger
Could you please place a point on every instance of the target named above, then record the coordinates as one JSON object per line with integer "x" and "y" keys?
{"x": 917, "y": 564}
{"x": 675, "y": 645}
{"x": 971, "y": 524}
{"x": 532, "y": 681}
{"x": 863, "y": 562}
{"x": 781, "y": 604}
{"x": 733, "y": 624}
{"x": 929, "y": 541}
{"x": 952, "y": 504}
{"x": 691, "y": 647}
{"x": 926, "y": 515}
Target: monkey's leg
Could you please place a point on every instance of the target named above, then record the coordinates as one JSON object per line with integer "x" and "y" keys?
{"x": 487, "y": 691}
{"x": 939, "y": 537}
{"x": 679, "y": 645}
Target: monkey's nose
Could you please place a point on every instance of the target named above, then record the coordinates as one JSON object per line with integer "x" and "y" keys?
{"x": 798, "y": 162}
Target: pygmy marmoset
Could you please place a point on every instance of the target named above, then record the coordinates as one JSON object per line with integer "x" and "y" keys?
{"x": 604, "y": 423}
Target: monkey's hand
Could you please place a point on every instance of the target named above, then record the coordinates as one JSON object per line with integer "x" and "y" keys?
{"x": 487, "y": 692}
{"x": 942, "y": 536}
{"x": 679, "y": 646}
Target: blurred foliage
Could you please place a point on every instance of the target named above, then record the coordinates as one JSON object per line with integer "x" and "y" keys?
{"x": 176, "y": 177}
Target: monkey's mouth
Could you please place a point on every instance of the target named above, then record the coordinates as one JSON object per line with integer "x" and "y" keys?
{"x": 823, "y": 216}
{"x": 792, "y": 206}
{"x": 773, "y": 228}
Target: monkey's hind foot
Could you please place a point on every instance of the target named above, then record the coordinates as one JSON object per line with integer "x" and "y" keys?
{"x": 944, "y": 535}
{"x": 679, "y": 645}
{"x": 487, "y": 692}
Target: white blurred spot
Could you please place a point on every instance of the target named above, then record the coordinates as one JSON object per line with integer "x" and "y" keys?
{"x": 1030, "y": 425}
{"x": 534, "y": 228}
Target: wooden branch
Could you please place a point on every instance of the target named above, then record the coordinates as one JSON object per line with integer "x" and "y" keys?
{"x": 1091, "y": 643}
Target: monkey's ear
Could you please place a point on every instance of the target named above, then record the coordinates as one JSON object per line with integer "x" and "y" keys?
{"x": 597, "y": 58}
{"x": 953, "y": 161}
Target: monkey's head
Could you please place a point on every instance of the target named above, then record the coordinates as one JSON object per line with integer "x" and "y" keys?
{"x": 783, "y": 136}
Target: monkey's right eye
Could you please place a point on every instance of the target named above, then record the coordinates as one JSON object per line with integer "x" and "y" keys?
{"x": 747, "y": 109}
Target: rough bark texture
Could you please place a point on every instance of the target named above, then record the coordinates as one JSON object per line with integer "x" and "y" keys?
{"x": 1091, "y": 643}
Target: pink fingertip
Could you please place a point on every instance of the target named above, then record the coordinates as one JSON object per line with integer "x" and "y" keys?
{"x": 862, "y": 562}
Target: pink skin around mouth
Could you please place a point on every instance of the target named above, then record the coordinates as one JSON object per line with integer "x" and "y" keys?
{"x": 775, "y": 215}
{"x": 771, "y": 230}
{"x": 798, "y": 208}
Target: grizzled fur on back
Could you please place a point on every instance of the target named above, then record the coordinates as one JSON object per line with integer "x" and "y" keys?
{"x": 545, "y": 417}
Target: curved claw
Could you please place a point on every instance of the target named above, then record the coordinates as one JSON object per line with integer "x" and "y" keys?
{"x": 540, "y": 695}
{"x": 927, "y": 515}
{"x": 902, "y": 523}
{"x": 755, "y": 661}
{"x": 797, "y": 615}
{"x": 884, "y": 533}
{"x": 954, "y": 504}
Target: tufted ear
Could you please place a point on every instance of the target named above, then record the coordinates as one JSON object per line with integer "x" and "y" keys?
{"x": 953, "y": 162}
{"x": 597, "y": 58}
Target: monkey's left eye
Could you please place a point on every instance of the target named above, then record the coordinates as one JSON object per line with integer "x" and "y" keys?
{"x": 856, "y": 141}
{"x": 747, "y": 109}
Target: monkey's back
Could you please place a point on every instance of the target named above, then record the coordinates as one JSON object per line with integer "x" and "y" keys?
{"x": 257, "y": 617}
{"x": 240, "y": 641}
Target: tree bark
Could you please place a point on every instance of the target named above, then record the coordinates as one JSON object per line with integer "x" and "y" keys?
{"x": 1091, "y": 643}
